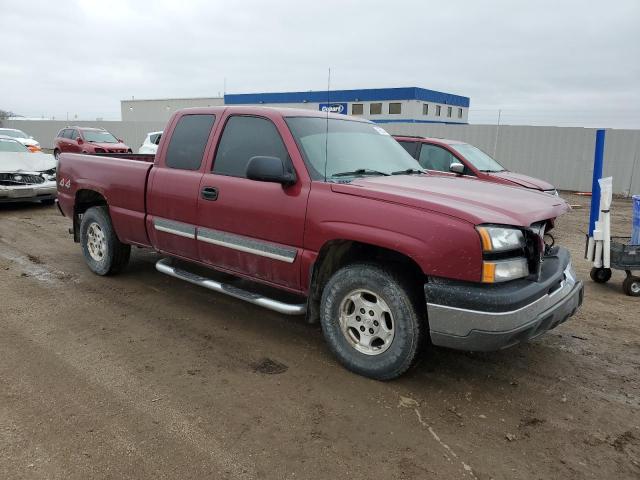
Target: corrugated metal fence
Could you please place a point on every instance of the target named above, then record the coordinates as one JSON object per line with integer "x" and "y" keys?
{"x": 45, "y": 131}
{"x": 561, "y": 155}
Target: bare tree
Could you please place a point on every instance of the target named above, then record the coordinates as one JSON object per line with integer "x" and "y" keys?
{"x": 4, "y": 114}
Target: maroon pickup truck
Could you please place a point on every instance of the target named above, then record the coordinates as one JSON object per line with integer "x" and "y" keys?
{"x": 326, "y": 215}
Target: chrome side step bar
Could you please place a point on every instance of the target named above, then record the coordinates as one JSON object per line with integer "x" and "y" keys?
{"x": 164, "y": 266}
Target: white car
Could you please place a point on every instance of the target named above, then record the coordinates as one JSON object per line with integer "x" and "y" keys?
{"x": 26, "y": 176}
{"x": 151, "y": 142}
{"x": 23, "y": 138}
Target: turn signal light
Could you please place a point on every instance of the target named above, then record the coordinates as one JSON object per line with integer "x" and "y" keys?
{"x": 504, "y": 270}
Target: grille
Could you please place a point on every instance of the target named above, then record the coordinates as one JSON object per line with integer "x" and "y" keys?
{"x": 20, "y": 179}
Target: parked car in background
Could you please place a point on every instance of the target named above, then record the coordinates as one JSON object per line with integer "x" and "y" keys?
{"x": 24, "y": 175}
{"x": 87, "y": 140}
{"x": 27, "y": 140}
{"x": 340, "y": 221}
{"x": 439, "y": 155}
{"x": 150, "y": 144}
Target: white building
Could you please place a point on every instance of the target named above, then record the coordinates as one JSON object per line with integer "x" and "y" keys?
{"x": 380, "y": 105}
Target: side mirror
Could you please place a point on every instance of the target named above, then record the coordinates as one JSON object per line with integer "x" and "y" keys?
{"x": 269, "y": 169}
{"x": 120, "y": 140}
{"x": 80, "y": 141}
{"x": 456, "y": 168}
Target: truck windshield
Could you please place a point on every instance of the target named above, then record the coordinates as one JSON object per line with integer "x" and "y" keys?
{"x": 351, "y": 149}
{"x": 477, "y": 158}
{"x": 99, "y": 136}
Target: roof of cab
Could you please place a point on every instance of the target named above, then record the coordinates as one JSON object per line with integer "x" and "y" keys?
{"x": 265, "y": 110}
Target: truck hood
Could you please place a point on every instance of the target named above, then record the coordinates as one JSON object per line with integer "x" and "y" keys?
{"x": 470, "y": 200}
{"x": 26, "y": 162}
{"x": 522, "y": 180}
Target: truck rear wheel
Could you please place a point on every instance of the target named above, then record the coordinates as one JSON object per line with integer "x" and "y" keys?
{"x": 371, "y": 320}
{"x": 103, "y": 252}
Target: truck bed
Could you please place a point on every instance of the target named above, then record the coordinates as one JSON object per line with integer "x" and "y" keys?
{"x": 141, "y": 157}
{"x": 121, "y": 179}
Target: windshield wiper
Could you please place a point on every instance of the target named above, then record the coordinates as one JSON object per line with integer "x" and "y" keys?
{"x": 360, "y": 171}
{"x": 408, "y": 171}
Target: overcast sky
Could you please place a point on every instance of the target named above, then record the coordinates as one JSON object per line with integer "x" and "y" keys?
{"x": 550, "y": 63}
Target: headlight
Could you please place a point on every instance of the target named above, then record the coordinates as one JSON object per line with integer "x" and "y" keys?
{"x": 504, "y": 270}
{"x": 500, "y": 239}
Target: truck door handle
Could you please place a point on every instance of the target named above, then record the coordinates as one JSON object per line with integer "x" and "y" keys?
{"x": 209, "y": 193}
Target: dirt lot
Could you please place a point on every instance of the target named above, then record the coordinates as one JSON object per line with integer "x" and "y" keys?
{"x": 144, "y": 376}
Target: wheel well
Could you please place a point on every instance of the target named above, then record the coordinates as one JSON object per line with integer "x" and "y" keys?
{"x": 338, "y": 253}
{"x": 85, "y": 199}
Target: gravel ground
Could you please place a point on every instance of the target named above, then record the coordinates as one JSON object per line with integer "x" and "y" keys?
{"x": 143, "y": 376}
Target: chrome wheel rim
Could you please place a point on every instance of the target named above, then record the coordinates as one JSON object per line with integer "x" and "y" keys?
{"x": 366, "y": 322}
{"x": 635, "y": 287}
{"x": 96, "y": 242}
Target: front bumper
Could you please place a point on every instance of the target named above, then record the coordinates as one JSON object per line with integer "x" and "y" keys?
{"x": 27, "y": 193}
{"x": 492, "y": 317}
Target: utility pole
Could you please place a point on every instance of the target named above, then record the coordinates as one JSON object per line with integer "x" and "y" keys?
{"x": 495, "y": 143}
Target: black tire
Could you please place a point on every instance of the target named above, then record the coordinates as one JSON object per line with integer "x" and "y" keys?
{"x": 48, "y": 201}
{"x": 631, "y": 286}
{"x": 115, "y": 254}
{"x": 406, "y": 318}
{"x": 600, "y": 275}
{"x": 56, "y": 154}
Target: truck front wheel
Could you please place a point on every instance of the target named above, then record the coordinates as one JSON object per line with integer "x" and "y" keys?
{"x": 371, "y": 320}
{"x": 103, "y": 252}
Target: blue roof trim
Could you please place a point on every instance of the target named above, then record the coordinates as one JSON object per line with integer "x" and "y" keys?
{"x": 362, "y": 95}
{"x": 414, "y": 120}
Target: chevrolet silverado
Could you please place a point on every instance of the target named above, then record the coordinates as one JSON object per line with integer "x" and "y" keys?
{"x": 325, "y": 215}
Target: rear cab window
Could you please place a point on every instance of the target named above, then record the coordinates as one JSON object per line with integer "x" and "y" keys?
{"x": 188, "y": 141}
